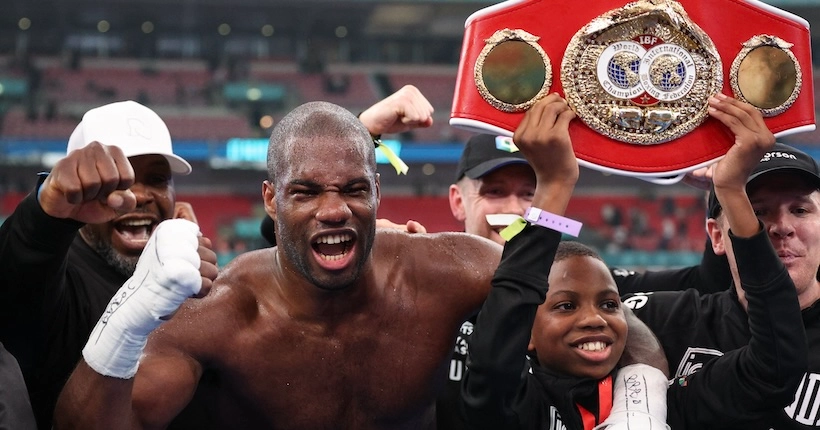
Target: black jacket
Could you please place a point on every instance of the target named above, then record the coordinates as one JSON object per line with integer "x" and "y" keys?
{"x": 448, "y": 416}
{"x": 498, "y": 392}
{"x": 54, "y": 289}
{"x": 710, "y": 276}
{"x": 762, "y": 353}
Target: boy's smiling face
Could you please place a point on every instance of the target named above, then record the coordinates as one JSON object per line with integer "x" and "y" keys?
{"x": 581, "y": 328}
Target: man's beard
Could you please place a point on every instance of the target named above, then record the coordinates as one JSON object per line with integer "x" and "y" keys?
{"x": 300, "y": 257}
{"x": 122, "y": 264}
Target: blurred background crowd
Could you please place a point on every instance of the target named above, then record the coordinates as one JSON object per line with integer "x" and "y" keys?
{"x": 221, "y": 73}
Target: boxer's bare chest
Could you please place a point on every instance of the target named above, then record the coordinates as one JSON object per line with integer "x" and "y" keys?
{"x": 373, "y": 370}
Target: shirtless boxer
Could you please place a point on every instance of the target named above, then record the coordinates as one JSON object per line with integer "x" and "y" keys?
{"x": 336, "y": 327}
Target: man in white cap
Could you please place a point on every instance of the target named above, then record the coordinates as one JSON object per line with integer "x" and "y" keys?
{"x": 68, "y": 247}
{"x": 114, "y": 186}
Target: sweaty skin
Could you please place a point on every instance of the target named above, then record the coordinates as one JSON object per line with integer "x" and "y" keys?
{"x": 367, "y": 358}
{"x": 340, "y": 326}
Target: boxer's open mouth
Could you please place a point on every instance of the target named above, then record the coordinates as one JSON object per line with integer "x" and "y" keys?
{"x": 333, "y": 247}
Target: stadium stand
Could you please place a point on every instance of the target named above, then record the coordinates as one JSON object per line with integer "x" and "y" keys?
{"x": 211, "y": 88}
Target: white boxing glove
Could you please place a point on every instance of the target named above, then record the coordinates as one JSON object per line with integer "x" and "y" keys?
{"x": 167, "y": 273}
{"x": 638, "y": 400}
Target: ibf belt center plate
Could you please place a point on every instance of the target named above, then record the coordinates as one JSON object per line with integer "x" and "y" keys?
{"x": 641, "y": 74}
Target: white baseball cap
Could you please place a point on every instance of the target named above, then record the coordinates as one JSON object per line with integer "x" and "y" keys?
{"x": 132, "y": 127}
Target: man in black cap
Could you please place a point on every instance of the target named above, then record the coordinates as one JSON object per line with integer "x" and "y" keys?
{"x": 494, "y": 185}
{"x": 493, "y": 179}
{"x": 696, "y": 329}
{"x": 783, "y": 159}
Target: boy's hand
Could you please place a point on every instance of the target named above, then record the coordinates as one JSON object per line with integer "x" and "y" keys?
{"x": 752, "y": 140}
{"x": 543, "y": 138}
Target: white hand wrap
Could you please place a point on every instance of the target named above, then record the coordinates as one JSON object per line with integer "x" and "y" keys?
{"x": 638, "y": 400}
{"x": 167, "y": 273}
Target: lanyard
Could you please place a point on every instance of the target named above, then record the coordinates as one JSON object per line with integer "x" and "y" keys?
{"x": 604, "y": 404}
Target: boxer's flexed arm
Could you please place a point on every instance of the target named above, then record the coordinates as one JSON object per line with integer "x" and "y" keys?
{"x": 177, "y": 263}
{"x": 401, "y": 111}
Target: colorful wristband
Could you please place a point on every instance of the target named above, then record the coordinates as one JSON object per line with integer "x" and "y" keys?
{"x": 552, "y": 221}
{"x": 397, "y": 163}
{"x": 391, "y": 156}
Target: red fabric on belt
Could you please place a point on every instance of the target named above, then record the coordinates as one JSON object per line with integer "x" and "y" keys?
{"x": 728, "y": 23}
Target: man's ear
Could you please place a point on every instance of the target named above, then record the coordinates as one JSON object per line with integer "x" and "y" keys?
{"x": 269, "y": 198}
{"x": 457, "y": 203}
{"x": 716, "y": 236}
{"x": 531, "y": 348}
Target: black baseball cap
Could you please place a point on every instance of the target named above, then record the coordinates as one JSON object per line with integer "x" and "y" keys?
{"x": 781, "y": 157}
{"x": 484, "y": 153}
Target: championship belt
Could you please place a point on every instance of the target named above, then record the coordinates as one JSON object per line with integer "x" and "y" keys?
{"x": 638, "y": 75}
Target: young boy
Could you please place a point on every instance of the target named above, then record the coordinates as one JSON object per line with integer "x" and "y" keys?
{"x": 577, "y": 339}
{"x": 566, "y": 315}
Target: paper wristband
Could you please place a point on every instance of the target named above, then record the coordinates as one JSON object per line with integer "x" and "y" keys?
{"x": 556, "y": 222}
{"x": 552, "y": 221}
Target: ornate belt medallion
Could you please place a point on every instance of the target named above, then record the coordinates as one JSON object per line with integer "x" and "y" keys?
{"x": 512, "y": 72}
{"x": 766, "y": 74}
{"x": 641, "y": 74}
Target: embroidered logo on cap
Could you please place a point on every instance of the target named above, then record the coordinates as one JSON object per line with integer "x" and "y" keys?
{"x": 777, "y": 154}
{"x": 503, "y": 143}
{"x": 137, "y": 128}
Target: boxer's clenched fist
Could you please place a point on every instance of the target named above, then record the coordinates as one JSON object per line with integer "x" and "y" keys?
{"x": 175, "y": 265}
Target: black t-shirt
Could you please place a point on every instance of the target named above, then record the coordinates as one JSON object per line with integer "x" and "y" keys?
{"x": 447, "y": 414}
